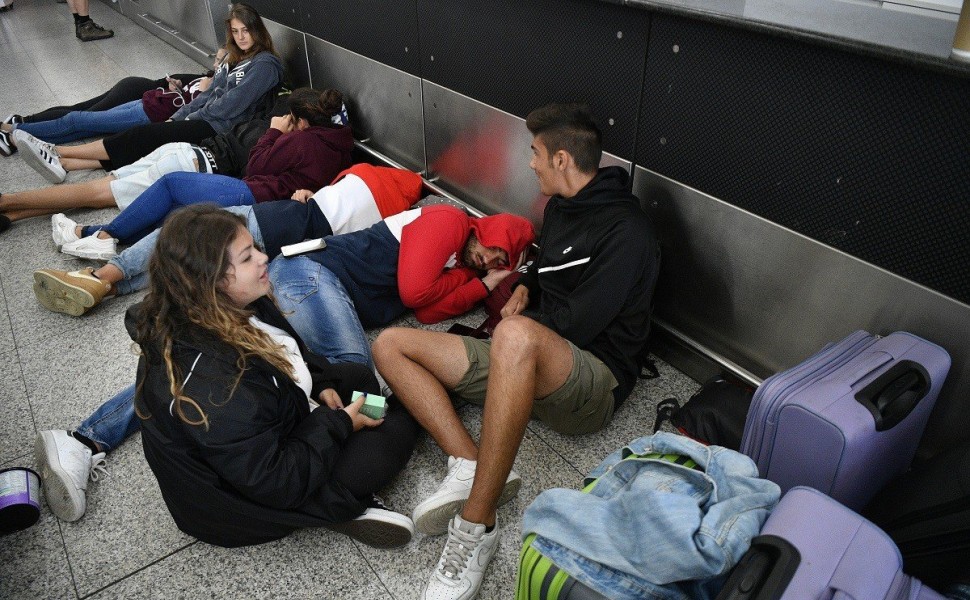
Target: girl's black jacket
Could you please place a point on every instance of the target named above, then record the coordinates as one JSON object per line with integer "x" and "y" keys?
{"x": 262, "y": 467}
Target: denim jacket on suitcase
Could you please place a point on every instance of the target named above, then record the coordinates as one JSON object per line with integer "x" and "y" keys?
{"x": 648, "y": 526}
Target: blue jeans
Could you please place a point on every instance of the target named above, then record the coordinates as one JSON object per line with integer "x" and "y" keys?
{"x": 81, "y": 124}
{"x": 173, "y": 191}
{"x": 113, "y": 421}
{"x": 133, "y": 260}
{"x": 319, "y": 308}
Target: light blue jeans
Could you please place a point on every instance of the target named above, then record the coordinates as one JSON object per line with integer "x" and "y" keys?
{"x": 82, "y": 124}
{"x": 651, "y": 528}
{"x": 319, "y": 308}
{"x": 113, "y": 421}
{"x": 133, "y": 260}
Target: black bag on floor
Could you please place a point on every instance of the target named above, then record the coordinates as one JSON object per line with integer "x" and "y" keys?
{"x": 926, "y": 511}
{"x": 714, "y": 415}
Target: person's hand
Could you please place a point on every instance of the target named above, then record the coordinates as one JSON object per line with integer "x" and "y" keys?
{"x": 205, "y": 84}
{"x": 301, "y": 195}
{"x": 517, "y": 303}
{"x": 284, "y": 123}
{"x": 360, "y": 421}
{"x": 174, "y": 85}
{"x": 495, "y": 277}
{"x": 330, "y": 398}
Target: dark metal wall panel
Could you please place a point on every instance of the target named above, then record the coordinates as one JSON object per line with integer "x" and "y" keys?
{"x": 383, "y": 31}
{"x": 286, "y": 12}
{"x": 863, "y": 155}
{"x": 516, "y": 56}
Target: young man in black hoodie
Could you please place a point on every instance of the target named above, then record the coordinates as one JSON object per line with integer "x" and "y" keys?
{"x": 565, "y": 351}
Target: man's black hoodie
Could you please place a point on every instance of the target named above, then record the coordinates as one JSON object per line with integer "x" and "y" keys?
{"x": 593, "y": 280}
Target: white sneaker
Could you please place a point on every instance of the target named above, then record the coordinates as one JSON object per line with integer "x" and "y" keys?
{"x": 92, "y": 247}
{"x": 63, "y": 230}
{"x": 433, "y": 515}
{"x": 65, "y": 465}
{"x": 7, "y": 147}
{"x": 461, "y": 567}
{"x": 41, "y": 156}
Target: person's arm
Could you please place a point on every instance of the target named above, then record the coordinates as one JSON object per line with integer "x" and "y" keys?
{"x": 616, "y": 263}
{"x": 218, "y": 81}
{"x": 427, "y": 244}
{"x": 248, "y": 444}
{"x": 260, "y": 78}
{"x": 262, "y": 155}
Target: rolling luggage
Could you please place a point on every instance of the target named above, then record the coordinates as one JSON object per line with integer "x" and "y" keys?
{"x": 926, "y": 511}
{"x": 813, "y": 547}
{"x": 848, "y": 419}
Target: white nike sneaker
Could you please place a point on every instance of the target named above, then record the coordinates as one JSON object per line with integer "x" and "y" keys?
{"x": 461, "y": 567}
{"x": 63, "y": 230}
{"x": 65, "y": 466}
{"x": 92, "y": 247}
{"x": 433, "y": 515}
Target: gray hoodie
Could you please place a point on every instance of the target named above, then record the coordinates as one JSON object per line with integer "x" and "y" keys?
{"x": 235, "y": 93}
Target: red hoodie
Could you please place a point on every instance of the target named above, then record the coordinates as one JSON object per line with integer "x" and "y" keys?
{"x": 279, "y": 164}
{"x": 437, "y": 238}
{"x": 394, "y": 190}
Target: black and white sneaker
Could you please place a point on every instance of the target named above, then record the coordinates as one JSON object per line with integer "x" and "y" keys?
{"x": 379, "y": 527}
{"x": 41, "y": 156}
{"x": 12, "y": 119}
{"x": 6, "y": 143}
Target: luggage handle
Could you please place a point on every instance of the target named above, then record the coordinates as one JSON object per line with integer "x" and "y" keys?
{"x": 892, "y": 396}
{"x": 764, "y": 571}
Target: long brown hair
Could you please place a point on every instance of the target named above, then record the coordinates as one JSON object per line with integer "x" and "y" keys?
{"x": 187, "y": 273}
{"x": 262, "y": 41}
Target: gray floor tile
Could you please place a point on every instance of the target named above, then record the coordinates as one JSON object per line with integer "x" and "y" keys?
{"x": 33, "y": 563}
{"x": 145, "y": 55}
{"x": 16, "y": 421}
{"x": 308, "y": 564}
{"x": 405, "y": 572}
{"x": 6, "y": 331}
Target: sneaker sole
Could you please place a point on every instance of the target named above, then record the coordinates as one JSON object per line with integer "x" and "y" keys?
{"x": 62, "y": 498}
{"x": 90, "y": 254}
{"x": 377, "y": 534}
{"x": 436, "y": 520}
{"x": 58, "y": 296}
{"x": 37, "y": 163}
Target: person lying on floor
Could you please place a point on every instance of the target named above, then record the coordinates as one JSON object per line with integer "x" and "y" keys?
{"x": 251, "y": 71}
{"x": 303, "y": 150}
{"x": 233, "y": 406}
{"x": 224, "y": 154}
{"x": 69, "y": 459}
{"x": 154, "y": 106}
{"x": 358, "y": 198}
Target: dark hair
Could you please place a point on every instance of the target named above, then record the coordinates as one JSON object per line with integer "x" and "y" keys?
{"x": 187, "y": 273}
{"x": 568, "y": 127}
{"x": 318, "y": 108}
{"x": 248, "y": 16}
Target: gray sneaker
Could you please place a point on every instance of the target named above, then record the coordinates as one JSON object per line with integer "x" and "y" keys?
{"x": 91, "y": 31}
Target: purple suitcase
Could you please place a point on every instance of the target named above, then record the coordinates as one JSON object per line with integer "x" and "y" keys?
{"x": 812, "y": 547}
{"x": 848, "y": 419}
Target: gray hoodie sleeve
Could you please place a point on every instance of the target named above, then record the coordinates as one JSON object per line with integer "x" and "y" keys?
{"x": 260, "y": 76}
{"x": 219, "y": 80}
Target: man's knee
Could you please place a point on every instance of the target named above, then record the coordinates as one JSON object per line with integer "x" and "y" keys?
{"x": 517, "y": 334}
{"x": 388, "y": 345}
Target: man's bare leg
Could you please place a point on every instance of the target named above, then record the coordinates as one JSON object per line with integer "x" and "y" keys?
{"x": 420, "y": 366}
{"x": 58, "y": 198}
{"x": 527, "y": 360}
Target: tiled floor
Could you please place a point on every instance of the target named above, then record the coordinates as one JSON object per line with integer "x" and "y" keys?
{"x": 57, "y": 369}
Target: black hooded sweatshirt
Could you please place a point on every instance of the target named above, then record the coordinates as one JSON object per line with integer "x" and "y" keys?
{"x": 593, "y": 280}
